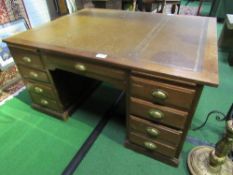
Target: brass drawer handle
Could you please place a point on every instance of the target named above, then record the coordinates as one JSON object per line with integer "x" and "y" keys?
{"x": 152, "y": 131}
{"x": 159, "y": 94}
{"x": 80, "y": 67}
{"x": 33, "y": 74}
{"x": 27, "y": 59}
{"x": 38, "y": 90}
{"x": 156, "y": 114}
{"x": 150, "y": 146}
{"x": 44, "y": 102}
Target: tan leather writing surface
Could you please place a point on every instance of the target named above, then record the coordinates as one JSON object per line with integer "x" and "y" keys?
{"x": 181, "y": 46}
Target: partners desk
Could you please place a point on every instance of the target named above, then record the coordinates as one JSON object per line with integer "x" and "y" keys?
{"x": 161, "y": 61}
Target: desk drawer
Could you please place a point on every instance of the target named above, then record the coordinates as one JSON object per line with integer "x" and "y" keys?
{"x": 27, "y": 57}
{"x": 46, "y": 102}
{"x": 151, "y": 145}
{"x": 82, "y": 67}
{"x": 160, "y": 114}
{"x": 162, "y": 93}
{"x": 154, "y": 131}
{"x": 33, "y": 74}
{"x": 42, "y": 90}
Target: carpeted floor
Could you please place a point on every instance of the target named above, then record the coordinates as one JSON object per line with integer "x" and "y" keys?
{"x": 34, "y": 143}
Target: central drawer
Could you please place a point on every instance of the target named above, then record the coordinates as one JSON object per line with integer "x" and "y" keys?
{"x": 93, "y": 70}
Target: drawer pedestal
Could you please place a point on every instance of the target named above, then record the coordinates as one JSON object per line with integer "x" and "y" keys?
{"x": 54, "y": 92}
{"x": 159, "y": 115}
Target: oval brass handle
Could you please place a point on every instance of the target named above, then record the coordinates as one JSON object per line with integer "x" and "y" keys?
{"x": 150, "y": 146}
{"x": 27, "y": 59}
{"x": 156, "y": 114}
{"x": 159, "y": 94}
{"x": 80, "y": 67}
{"x": 38, "y": 90}
{"x": 44, "y": 102}
{"x": 33, "y": 74}
{"x": 152, "y": 131}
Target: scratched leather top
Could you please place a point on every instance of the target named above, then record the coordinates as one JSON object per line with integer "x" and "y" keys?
{"x": 184, "y": 46}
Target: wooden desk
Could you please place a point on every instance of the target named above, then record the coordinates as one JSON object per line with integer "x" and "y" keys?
{"x": 162, "y": 62}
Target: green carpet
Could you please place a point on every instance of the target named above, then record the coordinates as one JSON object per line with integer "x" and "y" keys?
{"x": 36, "y": 144}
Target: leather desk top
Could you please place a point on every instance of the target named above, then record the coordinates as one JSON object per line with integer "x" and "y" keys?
{"x": 184, "y": 47}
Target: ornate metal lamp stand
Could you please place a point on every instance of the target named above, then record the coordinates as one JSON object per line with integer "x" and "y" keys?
{"x": 205, "y": 160}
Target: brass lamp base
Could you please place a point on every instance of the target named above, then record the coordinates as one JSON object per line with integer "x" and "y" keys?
{"x": 198, "y": 163}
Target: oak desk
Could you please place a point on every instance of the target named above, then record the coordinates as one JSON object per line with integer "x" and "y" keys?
{"x": 162, "y": 62}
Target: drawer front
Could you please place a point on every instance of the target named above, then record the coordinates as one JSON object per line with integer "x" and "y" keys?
{"x": 152, "y": 146}
{"x": 88, "y": 69}
{"x": 154, "y": 131}
{"x": 43, "y": 90}
{"x": 33, "y": 74}
{"x": 46, "y": 102}
{"x": 27, "y": 57}
{"x": 162, "y": 93}
{"x": 160, "y": 114}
